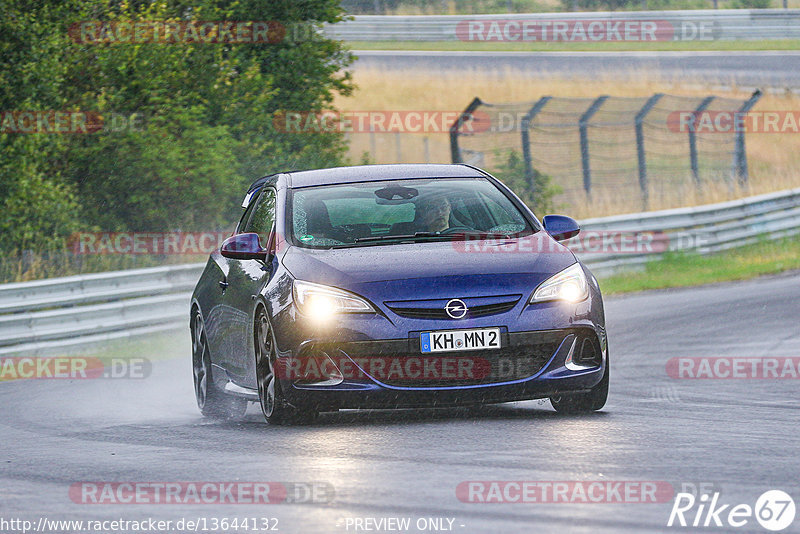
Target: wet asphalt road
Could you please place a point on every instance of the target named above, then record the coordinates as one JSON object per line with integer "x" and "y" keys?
{"x": 741, "y": 436}
{"x": 779, "y": 69}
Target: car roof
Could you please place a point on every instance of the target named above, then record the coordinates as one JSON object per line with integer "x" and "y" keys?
{"x": 374, "y": 173}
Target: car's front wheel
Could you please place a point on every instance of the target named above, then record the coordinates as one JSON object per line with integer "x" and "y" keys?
{"x": 590, "y": 401}
{"x": 212, "y": 403}
{"x": 273, "y": 404}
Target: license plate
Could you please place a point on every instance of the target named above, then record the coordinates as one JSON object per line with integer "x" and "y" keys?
{"x": 455, "y": 340}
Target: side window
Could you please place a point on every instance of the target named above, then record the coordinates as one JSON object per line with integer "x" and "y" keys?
{"x": 240, "y": 228}
{"x": 263, "y": 216}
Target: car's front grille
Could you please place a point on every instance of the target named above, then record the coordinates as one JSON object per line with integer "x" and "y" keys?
{"x": 434, "y": 313}
{"x": 401, "y": 364}
{"x": 435, "y": 309}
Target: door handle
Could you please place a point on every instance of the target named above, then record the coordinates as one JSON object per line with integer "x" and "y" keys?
{"x": 223, "y": 284}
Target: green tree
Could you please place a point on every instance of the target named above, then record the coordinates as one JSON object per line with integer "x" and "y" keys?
{"x": 537, "y": 191}
{"x": 201, "y": 127}
{"x": 38, "y": 209}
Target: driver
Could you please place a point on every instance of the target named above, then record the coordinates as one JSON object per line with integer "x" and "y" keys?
{"x": 432, "y": 214}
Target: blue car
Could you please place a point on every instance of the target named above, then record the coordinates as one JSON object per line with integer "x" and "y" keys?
{"x": 389, "y": 286}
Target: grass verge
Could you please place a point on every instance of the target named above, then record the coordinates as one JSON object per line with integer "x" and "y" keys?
{"x": 611, "y": 46}
{"x": 689, "y": 269}
{"x": 153, "y": 347}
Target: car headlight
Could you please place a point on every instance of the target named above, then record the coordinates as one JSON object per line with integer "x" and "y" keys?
{"x": 569, "y": 285}
{"x": 323, "y": 302}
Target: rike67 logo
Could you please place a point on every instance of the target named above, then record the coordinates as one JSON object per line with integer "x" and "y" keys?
{"x": 774, "y": 510}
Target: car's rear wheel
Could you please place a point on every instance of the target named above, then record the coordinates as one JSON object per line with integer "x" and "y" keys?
{"x": 590, "y": 401}
{"x": 212, "y": 403}
{"x": 276, "y": 410}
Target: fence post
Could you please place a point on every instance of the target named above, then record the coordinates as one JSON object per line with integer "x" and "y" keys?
{"x": 740, "y": 154}
{"x": 582, "y": 126}
{"x": 526, "y": 140}
{"x": 638, "y": 121}
{"x": 455, "y": 152}
{"x": 693, "y": 140}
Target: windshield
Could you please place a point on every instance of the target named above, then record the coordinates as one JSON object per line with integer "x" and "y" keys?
{"x": 385, "y": 212}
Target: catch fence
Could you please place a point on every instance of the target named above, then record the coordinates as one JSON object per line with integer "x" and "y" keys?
{"x": 609, "y": 147}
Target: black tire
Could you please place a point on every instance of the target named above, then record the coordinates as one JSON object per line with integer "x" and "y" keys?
{"x": 276, "y": 410}
{"x": 590, "y": 401}
{"x": 211, "y": 401}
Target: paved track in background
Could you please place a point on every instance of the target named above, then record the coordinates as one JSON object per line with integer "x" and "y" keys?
{"x": 778, "y": 69}
{"x": 740, "y": 435}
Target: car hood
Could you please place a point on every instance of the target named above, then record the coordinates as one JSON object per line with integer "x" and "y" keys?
{"x": 433, "y": 269}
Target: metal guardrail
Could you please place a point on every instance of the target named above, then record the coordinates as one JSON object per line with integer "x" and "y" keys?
{"x": 96, "y": 288}
{"x": 719, "y": 24}
{"x": 703, "y": 229}
{"x": 56, "y": 314}
{"x": 63, "y": 314}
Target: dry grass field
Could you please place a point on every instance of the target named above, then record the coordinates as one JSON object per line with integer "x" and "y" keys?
{"x": 774, "y": 159}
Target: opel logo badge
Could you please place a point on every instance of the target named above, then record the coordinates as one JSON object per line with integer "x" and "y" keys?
{"x": 456, "y": 308}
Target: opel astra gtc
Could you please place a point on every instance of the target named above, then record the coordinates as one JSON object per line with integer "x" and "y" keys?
{"x": 390, "y": 286}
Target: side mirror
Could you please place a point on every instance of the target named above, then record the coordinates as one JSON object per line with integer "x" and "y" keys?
{"x": 561, "y": 227}
{"x": 243, "y": 247}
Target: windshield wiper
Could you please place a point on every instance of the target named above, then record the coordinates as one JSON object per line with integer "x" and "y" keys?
{"x": 492, "y": 235}
{"x": 402, "y": 236}
{"x": 461, "y": 235}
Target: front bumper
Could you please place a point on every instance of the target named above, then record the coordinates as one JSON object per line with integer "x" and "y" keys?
{"x": 531, "y": 365}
